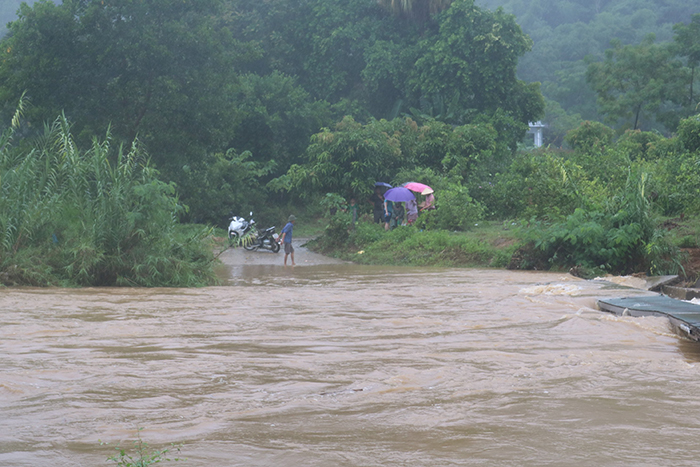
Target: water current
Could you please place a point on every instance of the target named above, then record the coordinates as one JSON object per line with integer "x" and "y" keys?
{"x": 347, "y": 365}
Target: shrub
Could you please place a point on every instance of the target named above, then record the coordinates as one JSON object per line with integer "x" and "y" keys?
{"x": 689, "y": 133}
{"x": 538, "y": 184}
{"x": 72, "y": 217}
{"x": 620, "y": 238}
{"x": 636, "y": 143}
{"x": 366, "y": 233}
{"x": 336, "y": 233}
{"x": 455, "y": 210}
{"x": 142, "y": 455}
{"x": 590, "y": 136}
{"x": 332, "y": 203}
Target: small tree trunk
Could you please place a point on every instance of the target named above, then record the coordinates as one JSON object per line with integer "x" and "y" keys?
{"x": 636, "y": 116}
{"x": 692, "y": 78}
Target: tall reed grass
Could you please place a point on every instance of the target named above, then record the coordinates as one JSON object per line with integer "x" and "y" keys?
{"x": 98, "y": 217}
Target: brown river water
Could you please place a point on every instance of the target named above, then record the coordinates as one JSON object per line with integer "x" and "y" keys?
{"x": 334, "y": 364}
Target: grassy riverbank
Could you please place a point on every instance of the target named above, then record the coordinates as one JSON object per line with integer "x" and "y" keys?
{"x": 491, "y": 244}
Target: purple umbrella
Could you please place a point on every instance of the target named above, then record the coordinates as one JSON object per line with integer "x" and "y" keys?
{"x": 399, "y": 194}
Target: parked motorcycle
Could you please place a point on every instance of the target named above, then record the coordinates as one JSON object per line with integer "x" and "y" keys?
{"x": 239, "y": 227}
{"x": 266, "y": 240}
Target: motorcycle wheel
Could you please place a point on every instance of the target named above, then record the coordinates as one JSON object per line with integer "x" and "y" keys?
{"x": 232, "y": 235}
{"x": 251, "y": 246}
{"x": 275, "y": 247}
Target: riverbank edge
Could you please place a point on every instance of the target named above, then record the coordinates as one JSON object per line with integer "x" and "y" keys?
{"x": 490, "y": 244}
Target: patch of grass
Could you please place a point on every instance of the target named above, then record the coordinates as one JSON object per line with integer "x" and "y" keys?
{"x": 308, "y": 226}
{"x": 487, "y": 245}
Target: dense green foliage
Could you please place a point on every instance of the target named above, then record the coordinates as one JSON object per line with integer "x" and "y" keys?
{"x": 91, "y": 218}
{"x": 8, "y": 12}
{"x": 197, "y": 78}
{"x": 635, "y": 81}
{"x": 595, "y": 208}
{"x": 619, "y": 236}
{"x": 383, "y": 58}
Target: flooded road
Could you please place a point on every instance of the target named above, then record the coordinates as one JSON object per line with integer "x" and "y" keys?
{"x": 334, "y": 364}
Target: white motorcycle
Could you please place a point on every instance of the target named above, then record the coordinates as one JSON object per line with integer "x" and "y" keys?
{"x": 239, "y": 227}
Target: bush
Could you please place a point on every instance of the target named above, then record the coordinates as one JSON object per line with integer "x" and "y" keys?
{"x": 366, "y": 233}
{"x": 455, "y": 210}
{"x": 539, "y": 184}
{"x": 73, "y": 218}
{"x": 637, "y": 143}
{"x": 689, "y": 133}
{"x": 336, "y": 233}
{"x": 590, "y": 136}
{"x": 142, "y": 455}
{"x": 620, "y": 238}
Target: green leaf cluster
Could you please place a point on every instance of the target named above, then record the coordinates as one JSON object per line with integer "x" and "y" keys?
{"x": 91, "y": 218}
{"x": 619, "y": 237}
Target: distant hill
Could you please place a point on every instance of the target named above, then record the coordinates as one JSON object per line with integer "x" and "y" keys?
{"x": 565, "y": 31}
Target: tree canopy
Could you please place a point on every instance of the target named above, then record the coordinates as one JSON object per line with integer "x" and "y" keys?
{"x": 636, "y": 80}
{"x": 565, "y": 32}
{"x": 192, "y": 78}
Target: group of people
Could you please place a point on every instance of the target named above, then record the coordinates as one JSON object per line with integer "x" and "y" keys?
{"x": 394, "y": 214}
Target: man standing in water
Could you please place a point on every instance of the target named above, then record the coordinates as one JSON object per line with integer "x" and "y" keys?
{"x": 287, "y": 239}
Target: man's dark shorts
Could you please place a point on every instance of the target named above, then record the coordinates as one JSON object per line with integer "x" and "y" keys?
{"x": 288, "y": 248}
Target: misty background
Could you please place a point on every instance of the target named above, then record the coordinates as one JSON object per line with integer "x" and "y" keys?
{"x": 564, "y": 32}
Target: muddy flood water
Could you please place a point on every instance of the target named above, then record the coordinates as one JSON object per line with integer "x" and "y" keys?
{"x": 332, "y": 364}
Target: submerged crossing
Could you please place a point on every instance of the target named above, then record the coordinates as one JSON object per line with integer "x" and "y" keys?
{"x": 684, "y": 316}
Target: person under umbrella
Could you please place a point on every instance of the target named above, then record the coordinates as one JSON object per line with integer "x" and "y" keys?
{"x": 377, "y": 201}
{"x": 429, "y": 202}
{"x": 397, "y": 216}
{"x": 396, "y": 195}
{"x": 411, "y": 211}
{"x": 388, "y": 213}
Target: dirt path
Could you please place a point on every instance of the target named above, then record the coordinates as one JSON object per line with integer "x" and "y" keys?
{"x": 303, "y": 257}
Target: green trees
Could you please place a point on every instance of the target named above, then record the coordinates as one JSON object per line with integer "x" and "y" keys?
{"x": 566, "y": 32}
{"x": 146, "y": 68}
{"x": 418, "y": 10}
{"x": 471, "y": 63}
{"x": 199, "y": 77}
{"x": 635, "y": 81}
{"x": 349, "y": 159}
{"x": 687, "y": 38}
{"x": 8, "y": 12}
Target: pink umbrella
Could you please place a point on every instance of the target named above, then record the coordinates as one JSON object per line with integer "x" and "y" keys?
{"x": 417, "y": 187}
